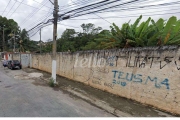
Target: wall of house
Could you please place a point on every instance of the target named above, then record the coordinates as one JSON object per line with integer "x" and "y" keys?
{"x": 148, "y": 75}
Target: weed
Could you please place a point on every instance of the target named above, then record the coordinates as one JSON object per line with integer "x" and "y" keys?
{"x": 51, "y": 82}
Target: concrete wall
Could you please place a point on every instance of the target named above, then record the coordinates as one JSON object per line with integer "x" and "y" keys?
{"x": 147, "y": 75}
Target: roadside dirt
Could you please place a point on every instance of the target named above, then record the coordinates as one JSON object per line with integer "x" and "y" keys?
{"x": 111, "y": 103}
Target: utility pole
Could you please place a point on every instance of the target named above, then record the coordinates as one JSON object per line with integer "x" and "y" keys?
{"x": 40, "y": 41}
{"x": 55, "y": 14}
{"x": 14, "y": 42}
{"x": 3, "y": 41}
{"x": 14, "y": 45}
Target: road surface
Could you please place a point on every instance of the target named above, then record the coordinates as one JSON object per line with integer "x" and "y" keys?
{"x": 21, "y": 98}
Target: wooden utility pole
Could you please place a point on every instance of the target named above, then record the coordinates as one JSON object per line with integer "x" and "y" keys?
{"x": 40, "y": 41}
{"x": 55, "y": 14}
{"x": 14, "y": 41}
{"x": 14, "y": 46}
{"x": 3, "y": 41}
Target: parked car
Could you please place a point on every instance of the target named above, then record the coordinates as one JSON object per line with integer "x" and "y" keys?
{"x": 12, "y": 64}
{"x": 5, "y": 62}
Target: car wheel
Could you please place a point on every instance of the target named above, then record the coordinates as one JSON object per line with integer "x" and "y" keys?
{"x": 11, "y": 68}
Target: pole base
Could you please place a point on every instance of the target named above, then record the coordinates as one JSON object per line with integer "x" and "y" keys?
{"x": 54, "y": 70}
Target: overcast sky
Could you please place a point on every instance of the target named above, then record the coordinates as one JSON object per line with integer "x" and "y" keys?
{"x": 29, "y": 16}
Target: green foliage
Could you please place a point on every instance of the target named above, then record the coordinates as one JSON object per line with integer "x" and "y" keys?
{"x": 9, "y": 26}
{"x": 51, "y": 83}
{"x": 138, "y": 34}
{"x": 27, "y": 44}
{"x": 75, "y": 41}
{"x": 22, "y": 41}
{"x": 147, "y": 33}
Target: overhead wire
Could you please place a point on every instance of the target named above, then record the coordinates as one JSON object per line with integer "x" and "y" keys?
{"x": 123, "y": 4}
{"x": 68, "y": 25}
{"x": 42, "y": 4}
{"x": 17, "y": 8}
{"x": 44, "y": 18}
{"x": 93, "y": 4}
{"x": 69, "y": 6}
{"x": 105, "y": 2}
{"x": 74, "y": 5}
{"x": 97, "y": 15}
{"x": 11, "y": 7}
{"x": 40, "y": 24}
{"x": 90, "y": 5}
{"x": 110, "y": 17}
{"x": 132, "y": 9}
{"x": 103, "y": 9}
{"x": 25, "y": 12}
{"x": 145, "y": 7}
{"x": 33, "y": 13}
{"x": 30, "y": 5}
{"x": 6, "y": 7}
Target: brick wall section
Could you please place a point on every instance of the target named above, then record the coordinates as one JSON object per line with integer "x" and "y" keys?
{"x": 148, "y": 75}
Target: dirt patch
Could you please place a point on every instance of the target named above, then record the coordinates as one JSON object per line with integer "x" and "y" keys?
{"x": 45, "y": 74}
{"x": 40, "y": 82}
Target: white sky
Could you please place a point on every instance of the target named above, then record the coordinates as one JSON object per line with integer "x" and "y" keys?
{"x": 23, "y": 11}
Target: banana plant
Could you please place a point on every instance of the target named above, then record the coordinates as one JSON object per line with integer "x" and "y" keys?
{"x": 166, "y": 33}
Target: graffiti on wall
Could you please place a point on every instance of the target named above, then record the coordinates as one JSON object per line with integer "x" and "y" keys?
{"x": 112, "y": 60}
{"x": 144, "y": 61}
{"x": 122, "y": 78}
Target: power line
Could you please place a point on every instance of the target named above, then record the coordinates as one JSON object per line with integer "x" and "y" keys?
{"x": 145, "y": 7}
{"x": 103, "y": 3}
{"x": 17, "y": 8}
{"x": 30, "y": 6}
{"x": 6, "y": 7}
{"x": 11, "y": 7}
{"x": 122, "y": 4}
{"x": 110, "y": 17}
{"x": 68, "y": 25}
{"x": 73, "y": 5}
{"x": 33, "y": 13}
{"x": 42, "y": 4}
{"x": 69, "y": 5}
{"x": 44, "y": 18}
{"x": 98, "y": 15}
{"x": 35, "y": 31}
{"x": 129, "y": 2}
{"x": 96, "y": 11}
{"x": 87, "y": 6}
{"x": 25, "y": 12}
{"x": 80, "y": 9}
{"x": 132, "y": 9}
{"x": 51, "y": 2}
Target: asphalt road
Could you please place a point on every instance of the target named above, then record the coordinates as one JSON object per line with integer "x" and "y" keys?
{"x": 21, "y": 98}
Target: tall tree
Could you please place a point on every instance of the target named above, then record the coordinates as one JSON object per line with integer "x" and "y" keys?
{"x": 10, "y": 26}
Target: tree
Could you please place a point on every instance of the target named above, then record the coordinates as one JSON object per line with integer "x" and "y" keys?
{"x": 74, "y": 41}
{"x": 10, "y": 26}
